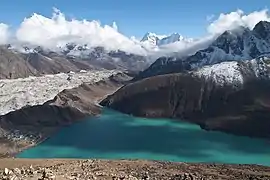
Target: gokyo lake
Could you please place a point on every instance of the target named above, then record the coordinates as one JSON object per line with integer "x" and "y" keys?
{"x": 114, "y": 135}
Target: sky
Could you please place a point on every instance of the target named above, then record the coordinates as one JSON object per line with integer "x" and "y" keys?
{"x": 120, "y": 24}
{"x": 134, "y": 17}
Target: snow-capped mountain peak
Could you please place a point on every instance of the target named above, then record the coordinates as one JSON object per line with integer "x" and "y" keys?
{"x": 238, "y": 44}
{"x": 170, "y": 39}
{"x": 151, "y": 38}
{"x": 160, "y": 40}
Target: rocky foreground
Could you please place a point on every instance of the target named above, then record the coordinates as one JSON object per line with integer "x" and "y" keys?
{"x": 126, "y": 169}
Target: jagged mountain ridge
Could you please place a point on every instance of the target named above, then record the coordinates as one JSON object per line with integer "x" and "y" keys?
{"x": 239, "y": 44}
{"x": 160, "y": 40}
{"x": 33, "y": 61}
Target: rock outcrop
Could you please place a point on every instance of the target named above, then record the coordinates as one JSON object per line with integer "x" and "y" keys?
{"x": 241, "y": 110}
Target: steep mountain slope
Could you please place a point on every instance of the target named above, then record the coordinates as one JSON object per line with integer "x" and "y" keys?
{"x": 13, "y": 65}
{"x": 239, "y": 44}
{"x": 102, "y": 58}
{"x": 26, "y": 61}
{"x": 231, "y": 97}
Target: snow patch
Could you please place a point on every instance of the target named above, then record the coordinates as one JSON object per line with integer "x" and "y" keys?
{"x": 222, "y": 73}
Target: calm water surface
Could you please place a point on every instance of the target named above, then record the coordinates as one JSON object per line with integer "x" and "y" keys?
{"x": 114, "y": 135}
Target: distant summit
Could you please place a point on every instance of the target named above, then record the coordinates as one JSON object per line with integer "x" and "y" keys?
{"x": 160, "y": 40}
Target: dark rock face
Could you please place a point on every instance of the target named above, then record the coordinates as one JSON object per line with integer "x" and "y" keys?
{"x": 164, "y": 65}
{"x": 239, "y": 44}
{"x": 262, "y": 30}
{"x": 241, "y": 111}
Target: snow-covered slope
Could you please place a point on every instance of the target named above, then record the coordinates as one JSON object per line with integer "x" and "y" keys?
{"x": 225, "y": 72}
{"x": 235, "y": 72}
{"x": 17, "y": 93}
{"x": 175, "y": 37}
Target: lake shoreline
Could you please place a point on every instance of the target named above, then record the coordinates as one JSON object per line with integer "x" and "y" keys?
{"x": 68, "y": 107}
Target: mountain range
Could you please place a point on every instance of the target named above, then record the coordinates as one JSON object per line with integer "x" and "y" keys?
{"x": 233, "y": 45}
{"x": 24, "y": 62}
{"x": 161, "y": 40}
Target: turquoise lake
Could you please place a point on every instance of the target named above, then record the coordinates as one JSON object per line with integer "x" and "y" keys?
{"x": 114, "y": 135}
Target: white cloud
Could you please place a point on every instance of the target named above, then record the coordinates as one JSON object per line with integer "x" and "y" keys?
{"x": 235, "y": 19}
{"x": 57, "y": 30}
{"x": 4, "y": 33}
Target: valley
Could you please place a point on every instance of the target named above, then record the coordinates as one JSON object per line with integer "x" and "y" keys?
{"x": 27, "y": 123}
{"x": 81, "y": 100}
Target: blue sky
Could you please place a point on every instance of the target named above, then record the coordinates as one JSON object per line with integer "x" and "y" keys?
{"x": 134, "y": 17}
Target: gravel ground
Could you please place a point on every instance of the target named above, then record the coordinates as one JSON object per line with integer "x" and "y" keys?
{"x": 124, "y": 169}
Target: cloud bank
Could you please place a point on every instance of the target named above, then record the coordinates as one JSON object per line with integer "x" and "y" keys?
{"x": 58, "y": 31}
{"x": 55, "y": 31}
{"x": 4, "y": 33}
{"x": 238, "y": 18}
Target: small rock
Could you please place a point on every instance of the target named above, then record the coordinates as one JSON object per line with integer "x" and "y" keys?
{"x": 145, "y": 176}
{"x": 17, "y": 171}
{"x": 130, "y": 177}
{"x": 51, "y": 177}
{"x": 6, "y": 172}
{"x": 14, "y": 177}
{"x": 22, "y": 171}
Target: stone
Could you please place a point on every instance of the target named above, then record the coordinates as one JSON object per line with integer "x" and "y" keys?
{"x": 6, "y": 172}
